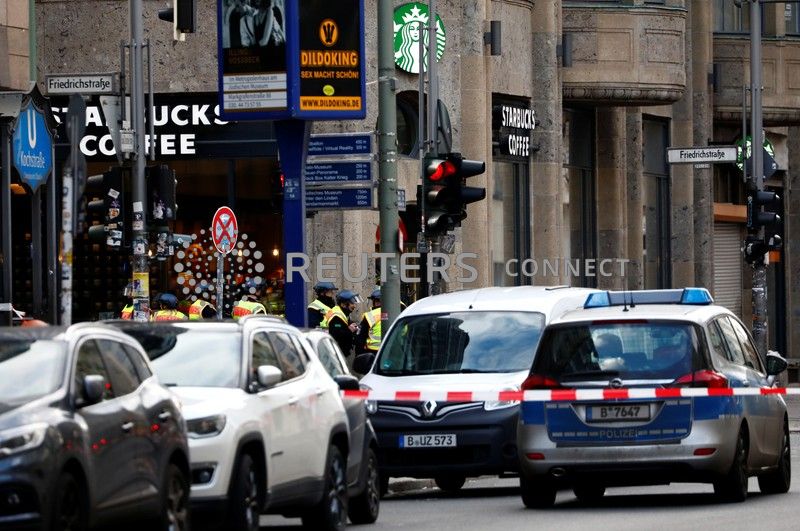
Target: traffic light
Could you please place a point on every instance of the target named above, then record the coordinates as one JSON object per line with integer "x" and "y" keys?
{"x": 161, "y": 185}
{"x": 446, "y": 197}
{"x": 756, "y": 217}
{"x": 105, "y": 196}
{"x": 182, "y": 14}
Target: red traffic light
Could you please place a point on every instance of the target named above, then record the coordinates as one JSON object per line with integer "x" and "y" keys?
{"x": 441, "y": 169}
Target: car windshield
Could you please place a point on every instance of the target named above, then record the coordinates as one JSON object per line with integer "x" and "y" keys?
{"x": 463, "y": 342}
{"x": 183, "y": 357}
{"x": 629, "y": 351}
{"x": 30, "y": 369}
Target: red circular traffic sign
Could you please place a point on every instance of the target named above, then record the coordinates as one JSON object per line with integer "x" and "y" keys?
{"x": 224, "y": 230}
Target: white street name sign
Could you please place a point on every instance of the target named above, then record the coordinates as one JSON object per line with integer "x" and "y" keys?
{"x": 699, "y": 155}
{"x": 81, "y": 83}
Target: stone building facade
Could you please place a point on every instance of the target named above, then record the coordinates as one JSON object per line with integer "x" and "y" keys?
{"x": 612, "y": 84}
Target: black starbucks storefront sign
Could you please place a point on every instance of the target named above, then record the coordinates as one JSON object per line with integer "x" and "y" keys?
{"x": 512, "y": 123}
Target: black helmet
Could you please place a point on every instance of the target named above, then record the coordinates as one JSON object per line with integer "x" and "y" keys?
{"x": 320, "y": 287}
{"x": 347, "y": 296}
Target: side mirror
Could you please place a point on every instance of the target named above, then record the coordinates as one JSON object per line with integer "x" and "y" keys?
{"x": 363, "y": 362}
{"x": 94, "y": 386}
{"x": 268, "y": 376}
{"x": 776, "y": 363}
{"x": 347, "y": 382}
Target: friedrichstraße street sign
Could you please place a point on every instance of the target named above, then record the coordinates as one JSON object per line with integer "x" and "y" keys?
{"x": 338, "y": 172}
{"x": 326, "y": 199}
{"x": 224, "y": 230}
{"x": 340, "y": 144}
{"x": 101, "y": 83}
{"x": 700, "y": 155}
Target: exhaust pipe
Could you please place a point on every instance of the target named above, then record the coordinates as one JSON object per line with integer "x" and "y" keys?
{"x": 558, "y": 472}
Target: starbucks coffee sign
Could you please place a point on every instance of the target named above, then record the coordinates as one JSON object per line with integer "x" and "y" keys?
{"x": 407, "y": 33}
{"x": 511, "y": 129}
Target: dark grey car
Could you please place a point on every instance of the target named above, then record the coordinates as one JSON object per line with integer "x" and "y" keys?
{"x": 87, "y": 434}
{"x": 362, "y": 463}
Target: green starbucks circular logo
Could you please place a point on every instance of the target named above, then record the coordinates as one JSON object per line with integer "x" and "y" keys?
{"x": 407, "y": 18}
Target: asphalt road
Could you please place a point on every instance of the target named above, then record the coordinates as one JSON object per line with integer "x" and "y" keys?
{"x": 490, "y": 503}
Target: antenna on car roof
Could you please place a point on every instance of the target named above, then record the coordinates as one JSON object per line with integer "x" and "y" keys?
{"x": 625, "y": 302}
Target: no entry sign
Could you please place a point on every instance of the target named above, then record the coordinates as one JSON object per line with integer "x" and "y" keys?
{"x": 224, "y": 230}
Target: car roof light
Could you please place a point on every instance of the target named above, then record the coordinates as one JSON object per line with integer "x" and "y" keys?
{"x": 653, "y": 296}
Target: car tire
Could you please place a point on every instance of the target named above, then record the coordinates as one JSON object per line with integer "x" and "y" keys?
{"x": 779, "y": 480}
{"x": 174, "y": 500}
{"x": 70, "y": 505}
{"x": 589, "y": 493}
{"x": 537, "y": 492}
{"x": 450, "y": 483}
{"x": 244, "y": 508}
{"x": 330, "y": 514}
{"x": 733, "y": 487}
{"x": 364, "y": 508}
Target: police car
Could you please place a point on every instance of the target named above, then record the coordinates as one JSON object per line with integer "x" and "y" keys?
{"x": 659, "y": 342}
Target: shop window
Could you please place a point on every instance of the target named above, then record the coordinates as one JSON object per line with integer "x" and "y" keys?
{"x": 657, "y": 211}
{"x": 511, "y": 222}
{"x": 408, "y": 123}
{"x": 728, "y": 18}
{"x": 791, "y": 14}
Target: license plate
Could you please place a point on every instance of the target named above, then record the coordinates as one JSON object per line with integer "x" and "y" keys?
{"x": 428, "y": 441}
{"x": 617, "y": 412}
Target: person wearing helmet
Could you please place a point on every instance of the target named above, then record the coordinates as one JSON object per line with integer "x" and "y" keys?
{"x": 202, "y": 309}
{"x": 249, "y": 305}
{"x": 168, "y": 308}
{"x": 338, "y": 323}
{"x": 127, "y": 311}
{"x": 369, "y": 332}
{"x": 322, "y": 304}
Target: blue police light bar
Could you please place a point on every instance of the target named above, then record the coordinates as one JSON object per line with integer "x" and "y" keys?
{"x": 656, "y": 296}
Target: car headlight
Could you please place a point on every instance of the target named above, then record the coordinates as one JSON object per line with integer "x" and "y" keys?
{"x": 370, "y": 405}
{"x": 16, "y": 440}
{"x": 492, "y": 405}
{"x": 205, "y": 427}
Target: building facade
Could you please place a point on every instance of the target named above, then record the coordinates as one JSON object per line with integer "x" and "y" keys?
{"x": 580, "y": 194}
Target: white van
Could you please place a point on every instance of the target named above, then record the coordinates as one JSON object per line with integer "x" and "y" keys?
{"x": 474, "y": 340}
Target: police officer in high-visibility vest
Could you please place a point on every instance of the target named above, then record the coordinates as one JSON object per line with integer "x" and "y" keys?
{"x": 249, "y": 305}
{"x": 127, "y": 311}
{"x": 201, "y": 309}
{"x": 369, "y": 332}
{"x": 338, "y": 323}
{"x": 168, "y": 304}
{"x": 320, "y": 306}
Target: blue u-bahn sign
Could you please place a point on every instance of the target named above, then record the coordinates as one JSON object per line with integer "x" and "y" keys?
{"x": 32, "y": 145}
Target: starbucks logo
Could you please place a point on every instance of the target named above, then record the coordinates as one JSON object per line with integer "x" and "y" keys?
{"x": 407, "y": 33}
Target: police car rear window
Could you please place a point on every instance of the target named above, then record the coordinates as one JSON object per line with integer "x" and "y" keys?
{"x": 635, "y": 350}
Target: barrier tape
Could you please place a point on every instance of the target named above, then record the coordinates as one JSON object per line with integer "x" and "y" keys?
{"x": 561, "y": 395}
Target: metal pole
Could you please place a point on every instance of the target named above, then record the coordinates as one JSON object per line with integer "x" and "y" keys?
{"x": 36, "y": 252}
{"x": 141, "y": 265}
{"x": 5, "y": 212}
{"x": 759, "y": 294}
{"x": 422, "y": 241}
{"x": 433, "y": 81}
{"x": 52, "y": 245}
{"x": 66, "y": 242}
{"x": 387, "y": 157}
{"x": 744, "y": 133}
{"x": 220, "y": 289}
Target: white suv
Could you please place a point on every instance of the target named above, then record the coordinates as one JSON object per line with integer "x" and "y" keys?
{"x": 268, "y": 430}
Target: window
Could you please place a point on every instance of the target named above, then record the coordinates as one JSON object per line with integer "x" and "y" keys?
{"x": 657, "y": 206}
{"x": 728, "y": 18}
{"x": 88, "y": 363}
{"x": 751, "y": 358}
{"x": 142, "y": 370}
{"x": 124, "y": 378}
{"x": 791, "y": 14}
{"x": 735, "y": 353}
{"x": 263, "y": 352}
{"x": 717, "y": 341}
{"x": 329, "y": 359}
{"x": 510, "y": 222}
{"x": 291, "y": 362}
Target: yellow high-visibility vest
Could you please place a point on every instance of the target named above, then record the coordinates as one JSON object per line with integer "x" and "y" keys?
{"x": 373, "y": 318}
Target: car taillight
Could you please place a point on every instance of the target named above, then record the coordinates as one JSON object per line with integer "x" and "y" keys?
{"x": 704, "y": 378}
{"x": 538, "y": 381}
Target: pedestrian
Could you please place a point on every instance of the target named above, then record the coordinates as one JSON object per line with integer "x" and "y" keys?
{"x": 338, "y": 323}
{"x": 168, "y": 308}
{"x": 248, "y": 305}
{"x": 369, "y": 331}
{"x": 322, "y": 304}
{"x": 202, "y": 309}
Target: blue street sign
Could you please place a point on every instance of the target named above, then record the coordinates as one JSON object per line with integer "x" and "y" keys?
{"x": 346, "y": 144}
{"x": 329, "y": 199}
{"x": 32, "y": 146}
{"x": 338, "y": 172}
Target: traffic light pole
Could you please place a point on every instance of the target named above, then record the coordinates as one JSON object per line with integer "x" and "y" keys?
{"x": 141, "y": 265}
{"x": 759, "y": 293}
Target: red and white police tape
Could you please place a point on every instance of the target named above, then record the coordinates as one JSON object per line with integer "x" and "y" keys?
{"x": 556, "y": 395}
